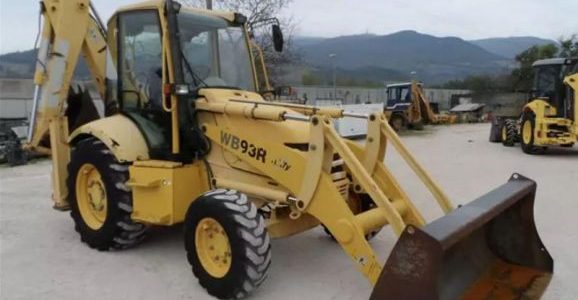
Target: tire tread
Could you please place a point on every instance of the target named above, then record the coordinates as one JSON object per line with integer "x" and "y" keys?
{"x": 248, "y": 228}
{"x": 119, "y": 231}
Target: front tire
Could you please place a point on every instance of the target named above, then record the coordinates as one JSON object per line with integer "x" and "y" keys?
{"x": 527, "y": 131}
{"x": 100, "y": 200}
{"x": 227, "y": 244}
{"x": 397, "y": 122}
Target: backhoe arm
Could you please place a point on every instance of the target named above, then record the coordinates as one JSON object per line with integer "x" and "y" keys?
{"x": 69, "y": 30}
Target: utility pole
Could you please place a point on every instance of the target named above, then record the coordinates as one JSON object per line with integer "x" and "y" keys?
{"x": 333, "y": 56}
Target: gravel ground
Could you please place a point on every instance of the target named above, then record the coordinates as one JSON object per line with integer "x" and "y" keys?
{"x": 42, "y": 256}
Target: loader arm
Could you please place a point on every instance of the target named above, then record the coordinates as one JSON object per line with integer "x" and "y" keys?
{"x": 306, "y": 176}
{"x": 446, "y": 266}
{"x": 69, "y": 30}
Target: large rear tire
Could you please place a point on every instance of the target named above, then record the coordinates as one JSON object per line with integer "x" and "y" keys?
{"x": 509, "y": 133}
{"x": 227, "y": 244}
{"x": 527, "y": 133}
{"x": 100, "y": 200}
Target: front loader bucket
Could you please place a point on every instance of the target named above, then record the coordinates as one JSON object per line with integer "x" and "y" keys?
{"x": 487, "y": 249}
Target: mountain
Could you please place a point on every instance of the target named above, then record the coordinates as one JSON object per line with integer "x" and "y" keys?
{"x": 434, "y": 59}
{"x": 22, "y": 64}
{"x": 304, "y": 41}
{"x": 17, "y": 64}
{"x": 511, "y": 46}
{"x": 369, "y": 58}
{"x": 364, "y": 76}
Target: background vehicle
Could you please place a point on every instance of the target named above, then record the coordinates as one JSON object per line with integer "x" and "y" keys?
{"x": 187, "y": 138}
{"x": 407, "y": 106}
{"x": 549, "y": 119}
{"x": 12, "y": 134}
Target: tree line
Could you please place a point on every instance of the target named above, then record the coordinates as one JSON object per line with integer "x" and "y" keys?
{"x": 521, "y": 78}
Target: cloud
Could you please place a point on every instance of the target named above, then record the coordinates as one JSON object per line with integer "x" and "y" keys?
{"x": 465, "y": 19}
{"x": 19, "y": 21}
{"x": 327, "y": 18}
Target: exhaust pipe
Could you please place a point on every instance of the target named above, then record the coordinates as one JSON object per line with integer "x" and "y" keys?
{"x": 487, "y": 249}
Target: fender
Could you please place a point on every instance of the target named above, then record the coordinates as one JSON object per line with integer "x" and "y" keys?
{"x": 540, "y": 108}
{"x": 119, "y": 133}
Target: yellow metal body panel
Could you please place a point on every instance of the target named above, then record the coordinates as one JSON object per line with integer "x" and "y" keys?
{"x": 60, "y": 152}
{"x": 282, "y": 225}
{"x": 546, "y": 117}
{"x": 266, "y": 155}
{"x": 163, "y": 191}
{"x": 240, "y": 116}
{"x": 119, "y": 134}
{"x": 158, "y": 4}
{"x": 541, "y": 108}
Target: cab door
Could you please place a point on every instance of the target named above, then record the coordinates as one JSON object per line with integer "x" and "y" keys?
{"x": 137, "y": 37}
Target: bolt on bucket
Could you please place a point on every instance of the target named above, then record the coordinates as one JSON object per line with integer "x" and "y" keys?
{"x": 487, "y": 249}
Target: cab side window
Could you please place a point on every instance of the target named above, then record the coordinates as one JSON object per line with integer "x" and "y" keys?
{"x": 140, "y": 61}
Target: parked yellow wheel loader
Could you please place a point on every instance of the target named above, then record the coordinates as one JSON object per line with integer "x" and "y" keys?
{"x": 549, "y": 118}
{"x": 185, "y": 137}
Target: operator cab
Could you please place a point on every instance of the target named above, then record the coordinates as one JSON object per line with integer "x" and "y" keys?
{"x": 549, "y": 83}
{"x": 202, "y": 49}
{"x": 398, "y": 96}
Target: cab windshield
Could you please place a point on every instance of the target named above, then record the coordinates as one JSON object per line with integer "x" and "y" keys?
{"x": 216, "y": 51}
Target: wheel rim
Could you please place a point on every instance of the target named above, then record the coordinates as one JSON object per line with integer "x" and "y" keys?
{"x": 527, "y": 132}
{"x": 504, "y": 133}
{"x": 91, "y": 196}
{"x": 213, "y": 248}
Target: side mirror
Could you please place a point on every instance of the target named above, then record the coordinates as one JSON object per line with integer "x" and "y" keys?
{"x": 278, "y": 39}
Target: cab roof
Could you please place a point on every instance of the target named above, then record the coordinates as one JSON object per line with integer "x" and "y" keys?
{"x": 158, "y": 4}
{"x": 555, "y": 61}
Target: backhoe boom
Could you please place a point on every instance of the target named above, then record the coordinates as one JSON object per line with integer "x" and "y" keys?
{"x": 69, "y": 31}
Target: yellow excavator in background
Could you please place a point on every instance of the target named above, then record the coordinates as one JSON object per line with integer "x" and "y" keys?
{"x": 408, "y": 107}
{"x": 185, "y": 137}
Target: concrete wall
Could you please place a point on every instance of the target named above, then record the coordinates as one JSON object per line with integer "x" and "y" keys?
{"x": 352, "y": 95}
{"x": 16, "y": 98}
{"x": 507, "y": 104}
{"x": 347, "y": 95}
{"x": 443, "y": 96}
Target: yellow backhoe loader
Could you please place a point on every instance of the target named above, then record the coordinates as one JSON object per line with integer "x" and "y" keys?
{"x": 186, "y": 138}
{"x": 550, "y": 118}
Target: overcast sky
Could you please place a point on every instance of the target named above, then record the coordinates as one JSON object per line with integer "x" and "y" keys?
{"x": 471, "y": 19}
